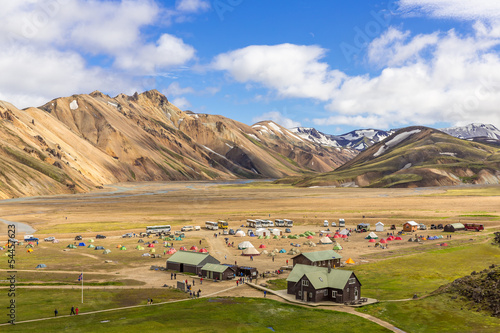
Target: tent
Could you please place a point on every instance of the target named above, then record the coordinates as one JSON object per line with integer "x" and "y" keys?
{"x": 55, "y": 241}
{"x": 383, "y": 241}
{"x": 41, "y": 266}
{"x": 344, "y": 236}
{"x": 240, "y": 233}
{"x": 371, "y": 235}
{"x": 262, "y": 246}
{"x": 345, "y": 232}
{"x": 138, "y": 247}
{"x": 194, "y": 248}
{"x": 203, "y": 250}
{"x": 105, "y": 251}
{"x": 282, "y": 251}
{"x": 140, "y": 241}
{"x": 81, "y": 244}
{"x": 146, "y": 255}
{"x": 337, "y": 247}
{"x": 265, "y": 252}
{"x": 444, "y": 244}
{"x": 183, "y": 248}
{"x": 309, "y": 237}
{"x": 91, "y": 246}
{"x": 349, "y": 261}
{"x": 277, "y": 232}
{"x": 325, "y": 240}
{"x": 261, "y": 232}
{"x": 29, "y": 246}
{"x": 118, "y": 246}
{"x": 379, "y": 226}
{"x": 29, "y": 250}
{"x": 245, "y": 245}
{"x": 152, "y": 250}
{"x": 337, "y": 236}
{"x": 99, "y": 248}
{"x": 151, "y": 245}
{"x": 71, "y": 246}
{"x": 91, "y": 240}
{"x": 123, "y": 248}
{"x": 250, "y": 251}
{"x": 171, "y": 251}
{"x": 372, "y": 240}
{"x": 398, "y": 238}
{"x": 178, "y": 238}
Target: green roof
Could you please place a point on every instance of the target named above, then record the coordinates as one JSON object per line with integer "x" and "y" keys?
{"x": 321, "y": 255}
{"x": 319, "y": 276}
{"x": 215, "y": 268}
{"x": 458, "y": 225}
{"x": 190, "y": 258}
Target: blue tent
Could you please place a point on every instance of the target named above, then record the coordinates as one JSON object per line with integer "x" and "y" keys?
{"x": 41, "y": 266}
{"x": 81, "y": 244}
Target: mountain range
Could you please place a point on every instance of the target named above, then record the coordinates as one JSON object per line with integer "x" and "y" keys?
{"x": 73, "y": 144}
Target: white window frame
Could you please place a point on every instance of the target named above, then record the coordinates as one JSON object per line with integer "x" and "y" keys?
{"x": 305, "y": 283}
{"x": 334, "y": 294}
{"x": 352, "y": 281}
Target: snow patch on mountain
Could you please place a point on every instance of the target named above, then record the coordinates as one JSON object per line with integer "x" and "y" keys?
{"x": 395, "y": 141}
{"x": 73, "y": 105}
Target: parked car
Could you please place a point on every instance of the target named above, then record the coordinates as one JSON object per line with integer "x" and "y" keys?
{"x": 325, "y": 223}
{"x": 288, "y": 230}
{"x": 433, "y": 226}
{"x": 78, "y": 237}
{"x": 30, "y": 238}
{"x": 334, "y": 224}
{"x": 100, "y": 236}
{"x": 231, "y": 232}
{"x": 187, "y": 228}
{"x": 128, "y": 235}
{"x": 197, "y": 228}
{"x": 49, "y": 239}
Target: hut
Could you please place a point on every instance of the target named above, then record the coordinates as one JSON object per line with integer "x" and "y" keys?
{"x": 319, "y": 284}
{"x": 379, "y": 226}
{"x": 250, "y": 251}
{"x": 453, "y": 227}
{"x": 190, "y": 262}
{"x": 218, "y": 272}
{"x": 244, "y": 245}
{"x": 410, "y": 226}
{"x": 327, "y": 258}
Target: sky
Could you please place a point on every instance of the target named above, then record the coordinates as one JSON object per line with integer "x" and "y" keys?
{"x": 332, "y": 65}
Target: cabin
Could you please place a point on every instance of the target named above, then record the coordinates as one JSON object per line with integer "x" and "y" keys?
{"x": 218, "y": 272}
{"x": 410, "y": 226}
{"x": 327, "y": 258}
{"x": 320, "y": 284}
{"x": 454, "y": 227}
{"x": 379, "y": 226}
{"x": 190, "y": 262}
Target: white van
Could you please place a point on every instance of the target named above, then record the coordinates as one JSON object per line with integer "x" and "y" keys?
{"x": 187, "y": 228}
{"x": 197, "y": 228}
{"x": 325, "y": 223}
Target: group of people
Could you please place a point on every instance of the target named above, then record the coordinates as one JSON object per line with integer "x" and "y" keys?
{"x": 74, "y": 311}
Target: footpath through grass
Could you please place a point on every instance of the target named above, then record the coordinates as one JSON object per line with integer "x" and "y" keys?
{"x": 438, "y": 313}
{"x": 209, "y": 315}
{"x": 400, "y": 278}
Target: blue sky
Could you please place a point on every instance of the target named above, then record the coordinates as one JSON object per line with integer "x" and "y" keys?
{"x": 332, "y": 65}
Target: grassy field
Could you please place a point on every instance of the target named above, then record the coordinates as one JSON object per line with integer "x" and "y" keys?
{"x": 206, "y": 315}
{"x": 438, "y": 313}
{"x": 471, "y": 191}
{"x": 399, "y": 278}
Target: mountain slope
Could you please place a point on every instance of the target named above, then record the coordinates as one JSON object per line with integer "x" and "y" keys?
{"x": 358, "y": 139}
{"x": 415, "y": 157}
{"x": 73, "y": 144}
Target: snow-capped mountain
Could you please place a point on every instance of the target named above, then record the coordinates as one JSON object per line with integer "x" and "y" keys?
{"x": 358, "y": 139}
{"x": 473, "y": 131}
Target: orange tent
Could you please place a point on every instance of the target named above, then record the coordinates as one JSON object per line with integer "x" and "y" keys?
{"x": 349, "y": 261}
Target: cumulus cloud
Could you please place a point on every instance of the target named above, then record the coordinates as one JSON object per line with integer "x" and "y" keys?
{"x": 54, "y": 38}
{"x": 181, "y": 102}
{"x": 458, "y": 9}
{"x": 175, "y": 89}
{"x": 278, "y": 118}
{"x": 192, "y": 6}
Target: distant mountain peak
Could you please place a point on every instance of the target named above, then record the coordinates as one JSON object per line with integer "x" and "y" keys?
{"x": 473, "y": 130}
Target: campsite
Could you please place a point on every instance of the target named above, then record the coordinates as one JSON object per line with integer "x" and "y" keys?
{"x": 129, "y": 263}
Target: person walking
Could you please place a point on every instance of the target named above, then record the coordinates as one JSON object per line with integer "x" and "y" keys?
{"x": 193, "y": 282}
{"x": 198, "y": 294}
{"x": 201, "y": 280}
{"x": 237, "y": 283}
{"x": 175, "y": 276}
{"x": 265, "y": 293}
{"x": 72, "y": 311}
{"x": 76, "y": 310}
{"x": 55, "y": 313}
{"x": 171, "y": 276}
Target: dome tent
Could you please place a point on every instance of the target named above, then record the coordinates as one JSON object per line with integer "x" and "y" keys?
{"x": 245, "y": 245}
{"x": 250, "y": 251}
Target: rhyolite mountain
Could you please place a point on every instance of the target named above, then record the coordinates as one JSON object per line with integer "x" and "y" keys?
{"x": 76, "y": 143}
{"x": 414, "y": 157}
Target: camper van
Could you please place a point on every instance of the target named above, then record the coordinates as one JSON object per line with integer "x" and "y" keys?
{"x": 325, "y": 223}
{"x": 187, "y": 228}
{"x": 250, "y": 223}
{"x": 270, "y": 223}
{"x": 264, "y": 223}
{"x": 279, "y": 223}
{"x": 258, "y": 223}
{"x": 341, "y": 223}
{"x": 289, "y": 223}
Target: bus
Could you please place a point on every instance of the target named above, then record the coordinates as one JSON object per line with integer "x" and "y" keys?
{"x": 289, "y": 223}
{"x": 250, "y": 223}
{"x": 155, "y": 229}
{"x": 279, "y": 223}
{"x": 264, "y": 223}
{"x": 258, "y": 224}
{"x": 211, "y": 225}
{"x": 222, "y": 224}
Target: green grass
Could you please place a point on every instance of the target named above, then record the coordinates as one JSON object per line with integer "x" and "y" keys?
{"x": 471, "y": 191}
{"x": 402, "y": 277}
{"x": 277, "y": 284}
{"x": 438, "y": 313}
{"x": 201, "y": 315}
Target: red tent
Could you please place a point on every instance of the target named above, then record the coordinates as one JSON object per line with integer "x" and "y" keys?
{"x": 389, "y": 238}
{"x": 151, "y": 245}
{"x": 171, "y": 251}
{"x": 203, "y": 250}
{"x": 336, "y": 236}
{"x": 444, "y": 244}
{"x": 194, "y": 248}
{"x": 372, "y": 241}
{"x": 183, "y": 248}
{"x": 398, "y": 238}
{"x": 309, "y": 237}
{"x": 344, "y": 236}
{"x": 383, "y": 241}
{"x": 328, "y": 235}
{"x": 262, "y": 246}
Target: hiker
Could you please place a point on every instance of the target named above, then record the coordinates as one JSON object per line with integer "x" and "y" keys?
{"x": 171, "y": 276}
{"x": 198, "y": 294}
{"x": 237, "y": 283}
{"x": 55, "y": 313}
{"x": 76, "y": 310}
{"x": 265, "y": 293}
{"x": 151, "y": 301}
{"x": 175, "y": 276}
{"x": 201, "y": 280}
{"x": 273, "y": 258}
{"x": 200, "y": 241}
{"x": 193, "y": 282}
{"x": 225, "y": 257}
{"x": 72, "y": 311}
{"x": 148, "y": 301}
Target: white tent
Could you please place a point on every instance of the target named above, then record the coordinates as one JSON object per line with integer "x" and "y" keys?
{"x": 371, "y": 235}
{"x": 379, "y": 226}
{"x": 345, "y": 232}
{"x": 277, "y": 232}
{"x": 239, "y": 233}
{"x": 325, "y": 240}
{"x": 262, "y": 232}
{"x": 250, "y": 251}
{"x": 245, "y": 245}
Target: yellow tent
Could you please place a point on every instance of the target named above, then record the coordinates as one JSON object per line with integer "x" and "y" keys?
{"x": 349, "y": 261}
{"x": 30, "y": 250}
{"x": 152, "y": 251}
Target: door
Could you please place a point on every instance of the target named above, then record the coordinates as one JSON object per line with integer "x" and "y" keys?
{"x": 356, "y": 293}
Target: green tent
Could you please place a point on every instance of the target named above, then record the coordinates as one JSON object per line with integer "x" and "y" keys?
{"x": 123, "y": 248}
{"x": 275, "y": 237}
{"x": 91, "y": 240}
{"x": 138, "y": 247}
{"x": 106, "y": 251}
{"x": 71, "y": 246}
{"x": 91, "y": 246}
{"x": 337, "y": 247}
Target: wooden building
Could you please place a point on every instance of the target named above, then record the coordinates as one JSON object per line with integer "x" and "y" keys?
{"x": 327, "y": 258}
{"x": 320, "y": 284}
{"x": 410, "y": 226}
{"x": 218, "y": 272}
{"x": 190, "y": 262}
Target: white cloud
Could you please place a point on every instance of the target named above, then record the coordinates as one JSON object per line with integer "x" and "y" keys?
{"x": 175, "y": 89}
{"x": 291, "y": 70}
{"x": 181, "y": 102}
{"x": 458, "y": 9}
{"x": 278, "y": 118}
{"x": 192, "y": 6}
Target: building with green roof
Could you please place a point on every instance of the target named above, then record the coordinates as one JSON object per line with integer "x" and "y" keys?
{"x": 319, "y": 284}
{"x": 190, "y": 262}
{"x": 218, "y": 272}
{"x": 327, "y": 258}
